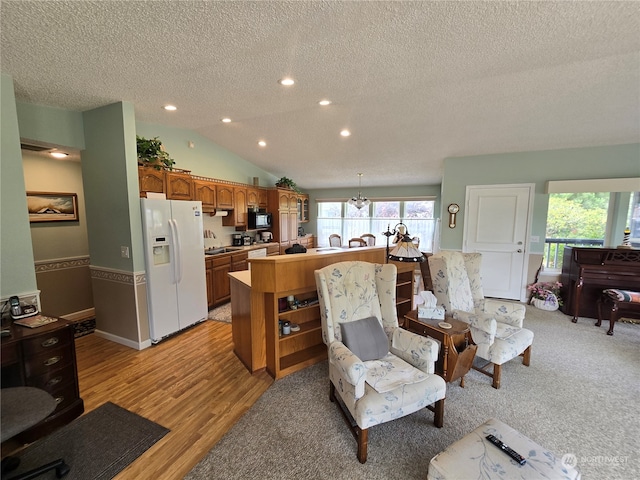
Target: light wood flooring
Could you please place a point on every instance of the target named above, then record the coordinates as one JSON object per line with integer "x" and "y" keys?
{"x": 192, "y": 384}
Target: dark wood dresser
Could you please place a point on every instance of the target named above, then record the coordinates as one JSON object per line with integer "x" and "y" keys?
{"x": 588, "y": 271}
{"x": 43, "y": 357}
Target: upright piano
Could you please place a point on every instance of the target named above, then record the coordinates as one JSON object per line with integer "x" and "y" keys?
{"x": 588, "y": 271}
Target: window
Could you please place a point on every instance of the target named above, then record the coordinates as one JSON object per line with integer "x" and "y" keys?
{"x": 633, "y": 221}
{"x": 582, "y": 220}
{"x": 349, "y": 222}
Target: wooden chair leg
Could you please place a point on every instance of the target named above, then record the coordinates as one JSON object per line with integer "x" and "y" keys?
{"x": 526, "y": 357}
{"x": 497, "y": 370}
{"x": 363, "y": 441}
{"x": 613, "y": 317}
{"x": 438, "y": 417}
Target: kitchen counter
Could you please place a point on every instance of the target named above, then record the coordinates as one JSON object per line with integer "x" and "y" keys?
{"x": 234, "y": 249}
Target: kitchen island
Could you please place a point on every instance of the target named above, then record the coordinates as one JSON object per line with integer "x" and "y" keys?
{"x": 259, "y": 302}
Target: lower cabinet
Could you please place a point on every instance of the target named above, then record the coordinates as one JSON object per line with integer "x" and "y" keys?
{"x": 221, "y": 290}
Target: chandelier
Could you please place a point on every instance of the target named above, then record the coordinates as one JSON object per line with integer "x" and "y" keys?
{"x": 359, "y": 201}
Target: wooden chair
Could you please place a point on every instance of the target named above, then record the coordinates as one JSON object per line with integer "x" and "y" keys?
{"x": 369, "y": 238}
{"x": 357, "y": 242}
{"x": 335, "y": 240}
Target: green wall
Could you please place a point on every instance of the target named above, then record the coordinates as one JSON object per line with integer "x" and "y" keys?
{"x": 617, "y": 161}
{"x": 17, "y": 274}
{"x": 110, "y": 177}
{"x": 206, "y": 158}
{"x": 51, "y": 125}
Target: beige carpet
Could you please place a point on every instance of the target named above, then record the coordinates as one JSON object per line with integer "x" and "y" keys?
{"x": 221, "y": 313}
{"x": 579, "y": 396}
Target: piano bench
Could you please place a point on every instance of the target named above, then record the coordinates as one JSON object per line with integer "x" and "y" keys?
{"x": 626, "y": 301}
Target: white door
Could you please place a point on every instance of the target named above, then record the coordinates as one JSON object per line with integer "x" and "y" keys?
{"x": 497, "y": 222}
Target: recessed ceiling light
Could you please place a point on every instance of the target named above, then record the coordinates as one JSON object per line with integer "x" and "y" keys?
{"x": 171, "y": 108}
{"x": 226, "y": 120}
{"x": 324, "y": 102}
{"x": 345, "y": 133}
{"x": 59, "y": 154}
{"x": 262, "y": 143}
{"x": 287, "y": 82}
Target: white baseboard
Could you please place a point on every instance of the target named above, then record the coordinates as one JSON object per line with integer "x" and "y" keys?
{"x": 123, "y": 341}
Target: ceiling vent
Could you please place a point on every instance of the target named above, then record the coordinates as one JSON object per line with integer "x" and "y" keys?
{"x": 34, "y": 148}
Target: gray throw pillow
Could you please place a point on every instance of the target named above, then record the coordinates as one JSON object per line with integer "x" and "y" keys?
{"x": 365, "y": 338}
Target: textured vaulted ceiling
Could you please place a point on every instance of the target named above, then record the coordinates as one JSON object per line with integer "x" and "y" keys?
{"x": 415, "y": 82}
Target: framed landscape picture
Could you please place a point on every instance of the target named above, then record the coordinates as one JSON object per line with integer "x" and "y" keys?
{"x": 52, "y": 207}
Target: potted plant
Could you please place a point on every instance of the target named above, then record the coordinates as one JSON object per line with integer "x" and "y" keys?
{"x": 545, "y": 295}
{"x": 151, "y": 152}
{"x": 285, "y": 182}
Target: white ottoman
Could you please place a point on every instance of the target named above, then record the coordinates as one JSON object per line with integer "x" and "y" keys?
{"x": 473, "y": 456}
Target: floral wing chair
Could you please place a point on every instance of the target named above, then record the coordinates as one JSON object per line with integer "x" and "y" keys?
{"x": 496, "y": 325}
{"x": 379, "y": 371}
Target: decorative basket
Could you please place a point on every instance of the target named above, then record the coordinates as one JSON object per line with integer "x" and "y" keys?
{"x": 550, "y": 303}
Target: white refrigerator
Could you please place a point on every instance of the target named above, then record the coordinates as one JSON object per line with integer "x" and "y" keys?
{"x": 175, "y": 266}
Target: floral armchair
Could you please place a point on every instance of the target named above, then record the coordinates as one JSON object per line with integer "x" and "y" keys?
{"x": 397, "y": 381}
{"x": 496, "y": 325}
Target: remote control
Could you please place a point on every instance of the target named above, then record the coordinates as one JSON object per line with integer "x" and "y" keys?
{"x": 505, "y": 448}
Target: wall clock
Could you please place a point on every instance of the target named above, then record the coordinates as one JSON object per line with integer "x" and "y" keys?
{"x": 453, "y": 209}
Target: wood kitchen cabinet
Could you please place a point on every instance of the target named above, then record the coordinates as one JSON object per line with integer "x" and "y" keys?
{"x": 239, "y": 261}
{"x": 205, "y": 191}
{"x": 209, "y": 277}
{"x": 224, "y": 197}
{"x": 179, "y": 185}
{"x": 176, "y": 185}
{"x": 237, "y": 218}
{"x": 221, "y": 291}
{"x": 151, "y": 180}
{"x": 285, "y": 226}
{"x": 253, "y": 198}
{"x": 302, "y": 207}
{"x": 263, "y": 198}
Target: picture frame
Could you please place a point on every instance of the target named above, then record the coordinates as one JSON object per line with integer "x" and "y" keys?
{"x": 52, "y": 207}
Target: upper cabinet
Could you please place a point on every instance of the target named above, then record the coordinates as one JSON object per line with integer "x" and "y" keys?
{"x": 177, "y": 185}
{"x": 151, "y": 180}
{"x": 224, "y": 197}
{"x": 303, "y": 207}
{"x": 238, "y": 217}
{"x": 252, "y": 197}
{"x": 205, "y": 191}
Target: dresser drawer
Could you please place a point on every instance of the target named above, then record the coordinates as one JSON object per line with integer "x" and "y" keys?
{"x": 64, "y": 396}
{"x": 9, "y": 354}
{"x": 46, "y": 342}
{"x": 53, "y": 379}
{"x": 48, "y": 361}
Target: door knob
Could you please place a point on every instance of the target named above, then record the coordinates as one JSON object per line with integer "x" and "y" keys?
{"x": 519, "y": 250}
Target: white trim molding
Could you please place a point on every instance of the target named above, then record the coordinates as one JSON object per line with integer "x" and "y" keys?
{"x": 56, "y": 264}
{"x": 118, "y": 276}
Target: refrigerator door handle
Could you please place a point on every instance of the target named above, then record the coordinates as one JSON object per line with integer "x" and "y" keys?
{"x": 177, "y": 264}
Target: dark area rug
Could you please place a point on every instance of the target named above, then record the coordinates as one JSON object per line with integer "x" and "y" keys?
{"x": 97, "y": 445}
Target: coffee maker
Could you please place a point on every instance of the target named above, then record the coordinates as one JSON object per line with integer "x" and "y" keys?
{"x": 236, "y": 240}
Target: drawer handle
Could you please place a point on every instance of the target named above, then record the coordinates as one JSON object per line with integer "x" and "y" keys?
{"x": 50, "y": 342}
{"x": 52, "y": 361}
{"x": 59, "y": 400}
{"x": 53, "y": 381}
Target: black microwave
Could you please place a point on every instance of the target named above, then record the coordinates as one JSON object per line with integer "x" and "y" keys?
{"x": 259, "y": 220}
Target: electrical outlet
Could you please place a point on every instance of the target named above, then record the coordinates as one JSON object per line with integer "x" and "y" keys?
{"x": 124, "y": 252}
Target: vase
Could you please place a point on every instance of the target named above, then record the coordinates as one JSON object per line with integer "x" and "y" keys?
{"x": 550, "y": 303}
